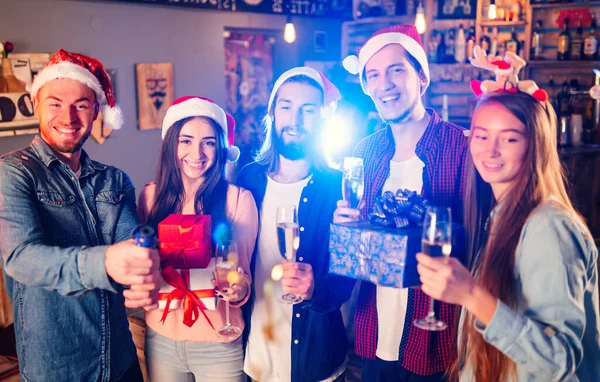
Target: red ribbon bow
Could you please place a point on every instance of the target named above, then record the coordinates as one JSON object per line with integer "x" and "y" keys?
{"x": 191, "y": 299}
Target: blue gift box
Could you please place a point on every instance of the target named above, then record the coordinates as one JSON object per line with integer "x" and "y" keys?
{"x": 380, "y": 255}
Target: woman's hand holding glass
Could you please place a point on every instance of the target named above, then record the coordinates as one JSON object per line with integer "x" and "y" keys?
{"x": 238, "y": 289}
{"x": 445, "y": 279}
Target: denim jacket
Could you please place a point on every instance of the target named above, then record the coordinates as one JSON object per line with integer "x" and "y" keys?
{"x": 554, "y": 334}
{"x": 70, "y": 320}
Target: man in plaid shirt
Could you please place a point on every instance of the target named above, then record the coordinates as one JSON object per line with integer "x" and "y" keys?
{"x": 416, "y": 151}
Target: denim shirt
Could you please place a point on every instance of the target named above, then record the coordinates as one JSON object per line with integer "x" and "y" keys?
{"x": 319, "y": 342}
{"x": 554, "y": 333}
{"x": 70, "y": 320}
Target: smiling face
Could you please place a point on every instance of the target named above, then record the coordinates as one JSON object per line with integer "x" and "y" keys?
{"x": 393, "y": 83}
{"x": 196, "y": 149}
{"x": 67, "y": 109}
{"x": 498, "y": 146}
{"x": 296, "y": 115}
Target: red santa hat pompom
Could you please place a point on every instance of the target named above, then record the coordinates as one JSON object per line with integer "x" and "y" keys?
{"x": 331, "y": 94}
{"x": 87, "y": 70}
{"x": 405, "y": 35}
{"x": 193, "y": 106}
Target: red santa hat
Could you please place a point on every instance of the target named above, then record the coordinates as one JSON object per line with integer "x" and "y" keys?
{"x": 88, "y": 71}
{"x": 331, "y": 94}
{"x": 192, "y": 106}
{"x": 405, "y": 35}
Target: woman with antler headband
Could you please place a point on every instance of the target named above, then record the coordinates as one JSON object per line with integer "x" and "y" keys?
{"x": 530, "y": 301}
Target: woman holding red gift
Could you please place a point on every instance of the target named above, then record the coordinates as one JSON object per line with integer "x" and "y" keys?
{"x": 530, "y": 302}
{"x": 197, "y": 144}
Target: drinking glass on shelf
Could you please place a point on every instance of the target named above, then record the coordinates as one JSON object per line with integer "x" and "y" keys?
{"x": 289, "y": 240}
{"x": 436, "y": 242}
{"x": 226, "y": 274}
{"x": 354, "y": 181}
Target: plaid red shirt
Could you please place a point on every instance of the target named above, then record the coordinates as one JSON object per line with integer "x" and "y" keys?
{"x": 443, "y": 148}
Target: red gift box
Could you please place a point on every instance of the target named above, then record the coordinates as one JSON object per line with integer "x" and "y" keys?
{"x": 185, "y": 241}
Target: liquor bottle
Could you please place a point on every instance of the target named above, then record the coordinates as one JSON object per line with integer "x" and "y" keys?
{"x": 471, "y": 41}
{"x": 513, "y": 45}
{"x": 441, "y": 48}
{"x": 564, "y": 42}
{"x": 494, "y": 42}
{"x": 450, "y": 46}
{"x": 445, "y": 107}
{"x": 501, "y": 48}
{"x": 515, "y": 11}
{"x": 563, "y": 99}
{"x": 537, "y": 42}
{"x": 432, "y": 48}
{"x": 485, "y": 42}
{"x": 460, "y": 44}
{"x": 577, "y": 43}
{"x": 590, "y": 44}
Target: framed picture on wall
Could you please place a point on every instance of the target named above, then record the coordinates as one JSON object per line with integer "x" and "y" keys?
{"x": 154, "y": 93}
{"x": 453, "y": 9}
{"x": 16, "y": 109}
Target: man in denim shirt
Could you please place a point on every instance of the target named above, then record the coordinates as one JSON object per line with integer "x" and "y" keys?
{"x": 60, "y": 215}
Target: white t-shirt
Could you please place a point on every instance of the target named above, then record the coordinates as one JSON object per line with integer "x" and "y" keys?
{"x": 391, "y": 302}
{"x": 271, "y": 360}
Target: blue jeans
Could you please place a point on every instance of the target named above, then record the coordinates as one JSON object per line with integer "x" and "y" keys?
{"x": 182, "y": 361}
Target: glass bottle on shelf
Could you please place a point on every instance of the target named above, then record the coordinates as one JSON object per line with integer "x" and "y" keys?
{"x": 494, "y": 42}
{"x": 515, "y": 11}
{"x": 471, "y": 41}
{"x": 590, "y": 43}
{"x": 442, "y": 48}
{"x": 537, "y": 42}
{"x": 432, "y": 46}
{"x": 513, "y": 44}
{"x": 450, "y": 46}
{"x": 485, "y": 41}
{"x": 577, "y": 43}
{"x": 460, "y": 44}
{"x": 563, "y": 48}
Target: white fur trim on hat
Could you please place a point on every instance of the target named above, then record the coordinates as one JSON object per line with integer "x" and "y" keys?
{"x": 194, "y": 107}
{"x": 112, "y": 116}
{"x": 67, "y": 69}
{"x": 376, "y": 43}
{"x": 299, "y": 71}
{"x": 352, "y": 64}
{"x": 233, "y": 154}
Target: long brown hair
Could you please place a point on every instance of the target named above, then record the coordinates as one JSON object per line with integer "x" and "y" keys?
{"x": 268, "y": 154}
{"x": 492, "y": 256}
{"x": 210, "y": 197}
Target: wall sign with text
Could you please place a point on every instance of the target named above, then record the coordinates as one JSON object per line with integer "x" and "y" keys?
{"x": 316, "y": 8}
{"x": 16, "y": 111}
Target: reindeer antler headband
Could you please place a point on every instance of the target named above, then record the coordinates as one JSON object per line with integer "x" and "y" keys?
{"x": 507, "y": 75}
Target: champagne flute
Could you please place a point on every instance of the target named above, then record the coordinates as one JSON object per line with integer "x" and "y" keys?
{"x": 226, "y": 272}
{"x": 354, "y": 181}
{"x": 289, "y": 241}
{"x": 436, "y": 242}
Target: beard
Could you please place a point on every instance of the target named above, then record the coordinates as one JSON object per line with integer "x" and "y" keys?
{"x": 293, "y": 150}
{"x": 69, "y": 147}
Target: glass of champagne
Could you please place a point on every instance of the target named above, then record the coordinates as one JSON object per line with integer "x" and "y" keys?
{"x": 436, "y": 242}
{"x": 289, "y": 241}
{"x": 354, "y": 181}
{"x": 226, "y": 272}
